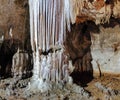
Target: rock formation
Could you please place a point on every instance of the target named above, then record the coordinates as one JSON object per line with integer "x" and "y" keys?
{"x": 81, "y": 42}
{"x": 14, "y": 32}
{"x": 48, "y": 45}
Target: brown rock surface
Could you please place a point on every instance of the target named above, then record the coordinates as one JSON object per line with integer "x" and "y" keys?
{"x": 14, "y": 15}
{"x": 77, "y": 45}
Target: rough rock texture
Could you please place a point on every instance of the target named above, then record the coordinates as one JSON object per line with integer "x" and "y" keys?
{"x": 99, "y": 11}
{"x": 21, "y": 64}
{"x": 18, "y": 90}
{"x": 105, "y": 44}
{"x": 14, "y": 15}
{"x": 105, "y": 48}
{"x": 14, "y": 31}
{"x": 77, "y": 45}
{"x": 8, "y": 49}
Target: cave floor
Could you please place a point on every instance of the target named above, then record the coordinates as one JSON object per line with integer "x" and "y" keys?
{"x": 108, "y": 81}
{"x": 106, "y": 87}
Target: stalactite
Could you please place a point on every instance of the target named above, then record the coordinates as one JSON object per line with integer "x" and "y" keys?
{"x": 48, "y": 22}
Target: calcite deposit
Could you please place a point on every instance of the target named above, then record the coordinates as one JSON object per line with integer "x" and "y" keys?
{"x": 53, "y": 49}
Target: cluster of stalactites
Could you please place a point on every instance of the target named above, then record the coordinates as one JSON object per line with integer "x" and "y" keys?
{"x": 74, "y": 8}
{"x": 48, "y": 23}
{"x": 97, "y": 10}
{"x": 102, "y": 10}
{"x": 90, "y": 9}
{"x": 49, "y": 20}
{"x": 103, "y": 15}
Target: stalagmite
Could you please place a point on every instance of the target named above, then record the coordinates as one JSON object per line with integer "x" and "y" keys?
{"x": 10, "y": 33}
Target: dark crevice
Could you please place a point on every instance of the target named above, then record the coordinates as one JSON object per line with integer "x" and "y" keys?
{"x": 77, "y": 44}
{"x": 112, "y": 23}
{"x": 8, "y": 49}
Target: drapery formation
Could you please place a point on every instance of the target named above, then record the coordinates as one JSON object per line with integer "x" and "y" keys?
{"x": 49, "y": 20}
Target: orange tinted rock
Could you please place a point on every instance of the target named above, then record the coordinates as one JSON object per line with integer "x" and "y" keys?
{"x": 82, "y": 18}
{"x": 99, "y": 4}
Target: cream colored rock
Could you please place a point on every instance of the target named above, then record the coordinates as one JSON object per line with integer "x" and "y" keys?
{"x": 105, "y": 50}
{"x": 20, "y": 63}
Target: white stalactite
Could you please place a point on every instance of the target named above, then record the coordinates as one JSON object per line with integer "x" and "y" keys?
{"x": 48, "y": 22}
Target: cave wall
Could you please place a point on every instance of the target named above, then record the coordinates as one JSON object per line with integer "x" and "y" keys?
{"x": 77, "y": 47}
{"x": 12, "y": 15}
{"x": 94, "y": 48}
{"x": 14, "y": 33}
{"x": 105, "y": 48}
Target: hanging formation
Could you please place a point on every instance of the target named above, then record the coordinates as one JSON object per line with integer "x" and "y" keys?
{"x": 49, "y": 20}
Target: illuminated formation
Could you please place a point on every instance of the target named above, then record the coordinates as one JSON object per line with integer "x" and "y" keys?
{"x": 48, "y": 22}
